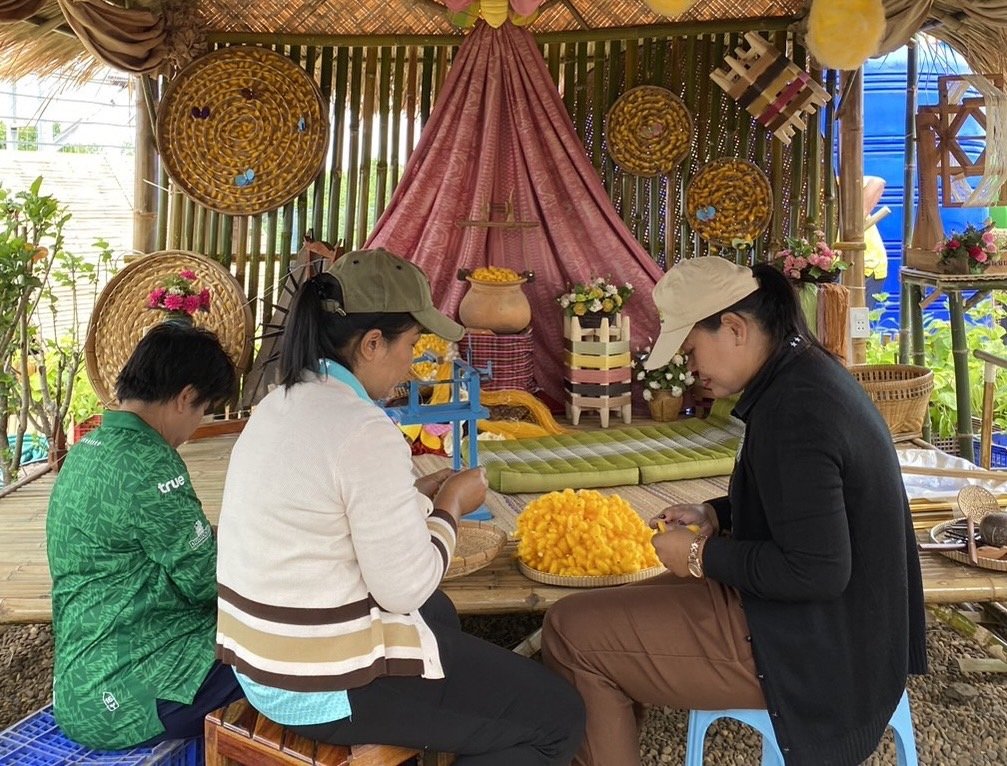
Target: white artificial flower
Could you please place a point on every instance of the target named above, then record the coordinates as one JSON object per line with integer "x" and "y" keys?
{"x": 611, "y": 290}
{"x": 647, "y": 395}
{"x": 654, "y": 384}
{"x": 676, "y": 391}
{"x": 667, "y": 375}
{"x": 628, "y": 286}
{"x": 677, "y": 360}
{"x": 681, "y": 376}
{"x": 689, "y": 378}
{"x": 564, "y": 301}
{"x": 641, "y": 375}
{"x": 595, "y": 305}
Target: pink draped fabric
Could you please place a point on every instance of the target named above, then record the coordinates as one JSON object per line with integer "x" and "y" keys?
{"x": 499, "y": 133}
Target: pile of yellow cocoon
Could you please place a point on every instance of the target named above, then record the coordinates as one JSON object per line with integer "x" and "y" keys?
{"x": 584, "y": 533}
{"x": 843, "y": 34}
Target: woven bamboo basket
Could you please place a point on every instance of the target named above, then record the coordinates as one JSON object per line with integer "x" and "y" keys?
{"x": 901, "y": 392}
{"x": 587, "y": 581}
{"x": 649, "y": 131}
{"x": 962, "y": 557}
{"x": 478, "y": 544}
{"x": 121, "y": 317}
{"x": 243, "y": 130}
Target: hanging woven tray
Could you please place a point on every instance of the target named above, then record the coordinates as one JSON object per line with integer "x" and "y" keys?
{"x": 587, "y": 581}
{"x": 121, "y": 317}
{"x": 648, "y": 131}
{"x": 962, "y": 556}
{"x": 729, "y": 199}
{"x": 478, "y": 544}
{"x": 242, "y": 130}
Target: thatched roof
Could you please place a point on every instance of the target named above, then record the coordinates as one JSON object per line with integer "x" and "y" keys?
{"x": 45, "y": 43}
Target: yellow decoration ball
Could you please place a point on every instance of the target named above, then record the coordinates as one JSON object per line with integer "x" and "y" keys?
{"x": 584, "y": 533}
{"x": 670, "y": 7}
{"x": 843, "y": 34}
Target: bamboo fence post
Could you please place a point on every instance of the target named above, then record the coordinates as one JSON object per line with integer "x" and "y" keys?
{"x": 370, "y": 83}
{"x": 851, "y": 193}
{"x": 569, "y": 81}
{"x": 213, "y": 241}
{"x": 336, "y": 161}
{"x": 426, "y": 86}
{"x": 269, "y": 263}
{"x": 813, "y": 211}
{"x": 828, "y": 158}
{"x": 797, "y": 166}
{"x": 411, "y": 86}
{"x": 352, "y": 184}
{"x": 614, "y": 75}
{"x": 188, "y": 220}
{"x": 440, "y": 72}
{"x": 908, "y": 188}
{"x": 553, "y": 51}
{"x": 254, "y": 263}
{"x": 241, "y": 250}
{"x": 176, "y": 218}
{"x": 226, "y": 240}
{"x": 598, "y": 105}
{"x": 384, "y": 92}
{"x": 320, "y": 183}
{"x": 400, "y": 63}
{"x": 581, "y": 93}
{"x": 145, "y": 214}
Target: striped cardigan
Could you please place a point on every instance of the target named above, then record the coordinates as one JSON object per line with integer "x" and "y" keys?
{"x": 325, "y": 548}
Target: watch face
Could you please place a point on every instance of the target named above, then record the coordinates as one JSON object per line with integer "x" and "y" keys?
{"x": 694, "y": 569}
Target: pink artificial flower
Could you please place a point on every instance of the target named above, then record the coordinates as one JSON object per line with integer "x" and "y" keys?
{"x": 975, "y": 251}
{"x": 988, "y": 238}
{"x": 825, "y": 263}
{"x": 190, "y": 304}
{"x": 187, "y": 274}
{"x": 154, "y": 299}
{"x": 954, "y": 244}
{"x": 795, "y": 274}
{"x": 204, "y": 299}
{"x": 783, "y": 254}
{"x": 981, "y": 257}
{"x": 174, "y": 302}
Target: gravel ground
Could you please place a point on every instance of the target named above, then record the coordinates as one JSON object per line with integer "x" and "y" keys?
{"x": 960, "y": 719}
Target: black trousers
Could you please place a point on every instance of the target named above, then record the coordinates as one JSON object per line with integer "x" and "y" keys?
{"x": 492, "y": 708}
{"x": 184, "y": 721}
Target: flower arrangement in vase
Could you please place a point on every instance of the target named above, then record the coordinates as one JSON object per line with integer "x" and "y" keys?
{"x": 969, "y": 252}
{"x": 178, "y": 297}
{"x": 663, "y": 387}
{"x": 806, "y": 261}
{"x": 595, "y": 299}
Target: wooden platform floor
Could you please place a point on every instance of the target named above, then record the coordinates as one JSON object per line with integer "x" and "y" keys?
{"x": 498, "y": 588}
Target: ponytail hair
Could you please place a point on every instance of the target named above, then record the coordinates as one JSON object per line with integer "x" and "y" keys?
{"x": 317, "y": 329}
{"x": 774, "y": 306}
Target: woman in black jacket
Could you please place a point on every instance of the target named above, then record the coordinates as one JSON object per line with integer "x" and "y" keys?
{"x": 800, "y": 592}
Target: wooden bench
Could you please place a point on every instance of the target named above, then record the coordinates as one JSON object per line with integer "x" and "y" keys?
{"x": 238, "y": 734}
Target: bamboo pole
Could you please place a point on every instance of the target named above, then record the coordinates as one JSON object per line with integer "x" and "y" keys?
{"x": 199, "y": 230}
{"x": 241, "y": 250}
{"x": 426, "y": 86}
{"x": 352, "y": 171}
{"x": 908, "y": 188}
{"x": 570, "y": 80}
{"x": 580, "y": 119}
{"x": 411, "y": 85}
{"x": 188, "y": 221}
{"x": 226, "y": 240}
{"x": 831, "y": 84}
{"x": 813, "y": 211}
{"x": 145, "y": 171}
{"x": 213, "y": 242}
{"x": 384, "y": 93}
{"x": 851, "y": 192}
{"x": 269, "y": 275}
{"x": 553, "y": 51}
{"x": 598, "y": 105}
{"x": 776, "y": 173}
{"x": 320, "y": 218}
{"x": 798, "y": 168}
{"x": 254, "y": 263}
{"x": 400, "y": 63}
{"x": 370, "y": 82}
{"x": 440, "y": 71}
{"x": 176, "y": 218}
{"x": 336, "y": 161}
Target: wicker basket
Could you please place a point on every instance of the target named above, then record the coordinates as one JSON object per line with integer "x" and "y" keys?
{"x": 901, "y": 392}
{"x": 478, "y": 544}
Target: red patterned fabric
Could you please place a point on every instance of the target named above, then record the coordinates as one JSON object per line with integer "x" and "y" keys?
{"x": 499, "y": 133}
{"x": 512, "y": 357}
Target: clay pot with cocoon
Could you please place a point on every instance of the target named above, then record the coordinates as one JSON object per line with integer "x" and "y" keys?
{"x": 670, "y": 7}
{"x": 843, "y": 34}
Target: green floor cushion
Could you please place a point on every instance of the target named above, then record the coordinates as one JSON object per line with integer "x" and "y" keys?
{"x": 684, "y": 449}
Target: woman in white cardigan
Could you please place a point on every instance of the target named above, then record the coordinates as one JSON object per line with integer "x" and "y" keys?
{"x": 331, "y": 552}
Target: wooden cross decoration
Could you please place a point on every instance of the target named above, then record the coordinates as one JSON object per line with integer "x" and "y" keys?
{"x": 950, "y": 115}
{"x": 771, "y": 87}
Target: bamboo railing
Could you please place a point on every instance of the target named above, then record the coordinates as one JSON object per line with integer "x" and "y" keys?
{"x": 383, "y": 93}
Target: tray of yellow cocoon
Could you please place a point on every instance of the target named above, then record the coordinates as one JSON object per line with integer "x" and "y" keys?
{"x": 584, "y": 539}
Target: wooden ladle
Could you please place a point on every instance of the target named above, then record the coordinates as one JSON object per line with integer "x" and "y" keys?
{"x": 975, "y": 502}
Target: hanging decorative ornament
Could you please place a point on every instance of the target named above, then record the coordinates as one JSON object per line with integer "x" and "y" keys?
{"x": 670, "y": 7}
{"x": 843, "y": 34}
{"x": 465, "y": 13}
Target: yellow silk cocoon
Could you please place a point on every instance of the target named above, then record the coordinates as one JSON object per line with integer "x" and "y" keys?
{"x": 843, "y": 34}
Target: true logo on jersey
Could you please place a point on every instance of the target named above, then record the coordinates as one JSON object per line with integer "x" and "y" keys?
{"x": 167, "y": 486}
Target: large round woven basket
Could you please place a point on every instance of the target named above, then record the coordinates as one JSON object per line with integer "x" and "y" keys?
{"x": 242, "y": 130}
{"x": 729, "y": 199}
{"x": 962, "y": 556}
{"x": 478, "y": 544}
{"x": 587, "y": 581}
{"x": 121, "y": 317}
{"x": 901, "y": 392}
{"x": 648, "y": 131}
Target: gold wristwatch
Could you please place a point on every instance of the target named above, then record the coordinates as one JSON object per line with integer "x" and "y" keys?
{"x": 695, "y": 562}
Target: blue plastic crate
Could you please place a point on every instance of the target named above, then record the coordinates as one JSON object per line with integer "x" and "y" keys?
{"x": 37, "y": 741}
{"x": 998, "y": 451}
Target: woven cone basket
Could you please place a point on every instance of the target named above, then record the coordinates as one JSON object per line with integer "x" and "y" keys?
{"x": 121, "y": 317}
{"x": 243, "y": 130}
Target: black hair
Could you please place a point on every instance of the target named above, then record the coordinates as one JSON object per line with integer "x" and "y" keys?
{"x": 172, "y": 356}
{"x": 774, "y": 306}
{"x": 313, "y": 333}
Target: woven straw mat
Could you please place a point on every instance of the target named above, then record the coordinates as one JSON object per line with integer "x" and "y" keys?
{"x": 242, "y": 130}
{"x": 729, "y": 199}
{"x": 121, "y": 317}
{"x": 478, "y": 544}
{"x": 648, "y": 130}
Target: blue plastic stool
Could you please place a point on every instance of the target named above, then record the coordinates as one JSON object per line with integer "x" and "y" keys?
{"x": 700, "y": 720}
{"x": 37, "y": 741}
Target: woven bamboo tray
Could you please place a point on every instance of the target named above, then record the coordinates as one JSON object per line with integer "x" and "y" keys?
{"x": 478, "y": 544}
{"x": 729, "y": 199}
{"x": 237, "y": 110}
{"x": 121, "y": 317}
{"x": 901, "y": 392}
{"x": 587, "y": 581}
{"x": 648, "y": 131}
{"x": 962, "y": 556}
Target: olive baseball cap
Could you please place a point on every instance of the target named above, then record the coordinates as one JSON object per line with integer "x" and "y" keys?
{"x": 377, "y": 282}
{"x": 691, "y": 291}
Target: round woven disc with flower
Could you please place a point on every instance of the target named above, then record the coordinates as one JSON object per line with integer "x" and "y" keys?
{"x": 648, "y": 130}
{"x": 729, "y": 199}
{"x": 242, "y": 130}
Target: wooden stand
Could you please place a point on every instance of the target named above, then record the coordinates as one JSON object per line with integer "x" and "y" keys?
{"x": 598, "y": 372}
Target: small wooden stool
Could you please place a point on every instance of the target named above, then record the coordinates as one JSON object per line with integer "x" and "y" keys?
{"x": 238, "y": 734}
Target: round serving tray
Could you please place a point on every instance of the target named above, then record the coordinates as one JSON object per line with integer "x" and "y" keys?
{"x": 962, "y": 556}
{"x": 729, "y": 199}
{"x": 587, "y": 581}
{"x": 648, "y": 131}
{"x": 478, "y": 544}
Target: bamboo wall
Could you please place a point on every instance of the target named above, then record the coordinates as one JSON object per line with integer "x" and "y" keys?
{"x": 367, "y": 86}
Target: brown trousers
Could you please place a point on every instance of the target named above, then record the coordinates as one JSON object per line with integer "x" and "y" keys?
{"x": 671, "y": 641}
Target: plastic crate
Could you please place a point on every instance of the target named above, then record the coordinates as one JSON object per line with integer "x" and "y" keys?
{"x": 998, "y": 450}
{"x": 37, "y": 741}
